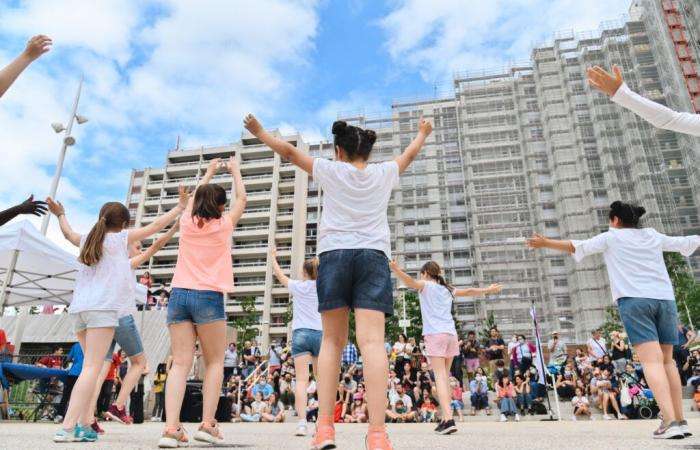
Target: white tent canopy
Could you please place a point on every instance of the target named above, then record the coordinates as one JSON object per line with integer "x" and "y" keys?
{"x": 44, "y": 273}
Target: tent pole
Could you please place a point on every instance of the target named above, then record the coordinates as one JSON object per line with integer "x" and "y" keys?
{"x": 8, "y": 279}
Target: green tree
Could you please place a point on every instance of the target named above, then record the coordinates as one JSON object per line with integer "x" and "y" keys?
{"x": 485, "y": 332}
{"x": 686, "y": 289}
{"x": 244, "y": 324}
{"x": 612, "y": 322}
{"x": 413, "y": 314}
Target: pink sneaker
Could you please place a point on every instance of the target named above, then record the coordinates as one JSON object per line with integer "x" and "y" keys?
{"x": 209, "y": 432}
{"x": 96, "y": 427}
{"x": 324, "y": 439}
{"x": 173, "y": 438}
{"x": 118, "y": 415}
{"x": 378, "y": 440}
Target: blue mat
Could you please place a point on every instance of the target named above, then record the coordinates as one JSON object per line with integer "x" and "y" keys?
{"x": 27, "y": 372}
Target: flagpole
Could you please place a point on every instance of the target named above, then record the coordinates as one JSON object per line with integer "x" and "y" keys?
{"x": 540, "y": 356}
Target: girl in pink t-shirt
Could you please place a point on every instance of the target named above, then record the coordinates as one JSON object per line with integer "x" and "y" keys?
{"x": 203, "y": 275}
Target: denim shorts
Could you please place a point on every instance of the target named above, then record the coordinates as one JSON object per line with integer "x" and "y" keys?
{"x": 649, "y": 320}
{"x": 306, "y": 342}
{"x": 94, "y": 319}
{"x": 198, "y": 307}
{"x": 128, "y": 338}
{"x": 354, "y": 278}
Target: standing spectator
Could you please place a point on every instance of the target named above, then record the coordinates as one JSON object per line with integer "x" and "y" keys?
{"x": 159, "y": 391}
{"x": 105, "y": 397}
{"x": 349, "y": 357}
{"x": 457, "y": 397}
{"x": 403, "y": 351}
{"x": 597, "y": 347}
{"x": 4, "y": 353}
{"x": 136, "y": 397}
{"x": 36, "y": 46}
{"x": 505, "y": 399}
{"x": 581, "y": 405}
{"x": 147, "y": 281}
{"x": 619, "y": 351}
{"x": 75, "y": 357}
{"x": 681, "y": 352}
{"x": 416, "y": 353}
{"x": 230, "y": 361}
{"x": 522, "y": 353}
{"x": 162, "y": 301}
{"x": 557, "y": 351}
{"x": 479, "y": 389}
{"x": 471, "y": 350}
{"x": 493, "y": 349}
{"x": 274, "y": 411}
{"x": 123, "y": 369}
{"x": 249, "y": 359}
{"x": 274, "y": 358}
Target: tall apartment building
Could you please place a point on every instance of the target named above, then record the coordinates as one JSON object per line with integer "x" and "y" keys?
{"x": 523, "y": 149}
{"x": 275, "y": 212}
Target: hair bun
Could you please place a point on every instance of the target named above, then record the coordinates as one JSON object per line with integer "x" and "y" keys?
{"x": 639, "y": 211}
{"x": 370, "y": 136}
{"x": 340, "y": 127}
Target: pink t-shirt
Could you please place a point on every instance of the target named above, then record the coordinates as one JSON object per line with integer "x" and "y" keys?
{"x": 204, "y": 260}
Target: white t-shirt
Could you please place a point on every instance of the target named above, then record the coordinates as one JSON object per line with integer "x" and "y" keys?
{"x": 403, "y": 350}
{"x": 579, "y": 401}
{"x": 634, "y": 259}
{"x": 598, "y": 347}
{"x": 109, "y": 284}
{"x": 436, "y": 309}
{"x": 305, "y": 305}
{"x": 405, "y": 398}
{"x": 355, "y": 202}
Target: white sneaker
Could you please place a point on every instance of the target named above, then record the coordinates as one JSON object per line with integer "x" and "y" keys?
{"x": 155, "y": 419}
{"x": 670, "y": 431}
{"x": 606, "y": 417}
{"x": 683, "y": 425}
{"x": 517, "y": 417}
{"x": 573, "y": 418}
{"x": 503, "y": 418}
{"x": 301, "y": 430}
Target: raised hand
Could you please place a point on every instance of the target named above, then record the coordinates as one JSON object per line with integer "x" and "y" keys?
{"x": 605, "y": 82}
{"x": 273, "y": 251}
{"x": 232, "y": 165}
{"x": 55, "y": 207}
{"x": 37, "y": 46}
{"x": 183, "y": 196}
{"x": 536, "y": 241}
{"x": 213, "y": 166}
{"x": 251, "y": 124}
{"x": 425, "y": 127}
{"x": 495, "y": 288}
{"x": 31, "y": 206}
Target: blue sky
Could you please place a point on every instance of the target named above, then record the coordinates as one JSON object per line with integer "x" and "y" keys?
{"x": 161, "y": 68}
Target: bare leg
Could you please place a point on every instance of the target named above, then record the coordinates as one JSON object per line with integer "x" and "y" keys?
{"x": 656, "y": 374}
{"x": 138, "y": 363}
{"x": 212, "y": 337}
{"x": 98, "y": 388}
{"x": 370, "y": 338}
{"x": 441, "y": 369}
{"x": 674, "y": 380}
{"x": 182, "y": 340}
{"x": 335, "y": 336}
{"x": 301, "y": 365}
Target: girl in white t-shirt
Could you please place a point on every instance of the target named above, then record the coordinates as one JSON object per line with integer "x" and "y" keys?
{"x": 354, "y": 249}
{"x": 102, "y": 286}
{"x": 644, "y": 295}
{"x": 580, "y": 404}
{"x": 439, "y": 332}
{"x": 306, "y": 329}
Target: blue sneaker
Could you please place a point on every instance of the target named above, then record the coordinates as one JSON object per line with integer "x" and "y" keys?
{"x": 85, "y": 434}
{"x": 64, "y": 435}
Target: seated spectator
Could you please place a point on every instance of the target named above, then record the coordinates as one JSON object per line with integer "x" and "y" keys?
{"x": 288, "y": 368}
{"x": 603, "y": 394}
{"x": 428, "y": 410}
{"x": 358, "y": 410}
{"x": 254, "y": 412}
{"x": 416, "y": 354}
{"x": 478, "y": 388}
{"x": 400, "y": 394}
{"x": 696, "y": 397}
{"x": 457, "y": 395}
{"x": 523, "y": 396}
{"x": 583, "y": 362}
{"x": 607, "y": 364}
{"x": 401, "y": 412}
{"x": 52, "y": 361}
{"x": 349, "y": 382}
{"x": 340, "y": 407}
{"x": 274, "y": 411}
{"x": 287, "y": 385}
{"x": 425, "y": 394}
{"x": 537, "y": 390}
{"x": 312, "y": 408}
{"x": 425, "y": 380}
{"x": 505, "y": 399}
{"x": 566, "y": 383}
{"x": 694, "y": 379}
{"x": 580, "y": 405}
{"x": 409, "y": 380}
{"x": 500, "y": 371}
{"x": 263, "y": 387}
{"x": 393, "y": 380}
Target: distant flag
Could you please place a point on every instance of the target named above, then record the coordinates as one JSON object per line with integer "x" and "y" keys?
{"x": 539, "y": 357}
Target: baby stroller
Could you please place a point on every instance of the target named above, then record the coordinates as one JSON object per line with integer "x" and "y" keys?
{"x": 637, "y": 398}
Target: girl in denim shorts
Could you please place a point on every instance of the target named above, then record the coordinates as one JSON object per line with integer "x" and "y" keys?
{"x": 439, "y": 331}
{"x": 354, "y": 248}
{"x": 644, "y": 295}
{"x": 203, "y": 275}
{"x": 103, "y": 284}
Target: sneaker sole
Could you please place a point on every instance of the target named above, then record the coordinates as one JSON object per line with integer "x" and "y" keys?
{"x": 64, "y": 439}
{"x": 449, "y": 430}
{"x": 171, "y": 443}
{"x": 201, "y": 436}
{"x": 666, "y": 436}
{"x": 325, "y": 445}
{"x": 110, "y": 416}
{"x": 300, "y": 433}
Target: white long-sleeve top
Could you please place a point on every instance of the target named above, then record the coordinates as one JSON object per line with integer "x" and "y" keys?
{"x": 635, "y": 261}
{"x": 658, "y": 115}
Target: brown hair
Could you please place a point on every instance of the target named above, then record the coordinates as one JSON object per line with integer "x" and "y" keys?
{"x": 113, "y": 215}
{"x": 311, "y": 268}
{"x": 432, "y": 269}
{"x": 207, "y": 202}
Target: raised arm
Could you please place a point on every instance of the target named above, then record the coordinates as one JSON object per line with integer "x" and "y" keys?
{"x": 212, "y": 167}
{"x": 539, "y": 241}
{"x": 59, "y": 211}
{"x": 473, "y": 292}
{"x": 145, "y": 255}
{"x": 404, "y": 277}
{"x": 139, "y": 234}
{"x": 29, "y": 206}
{"x": 658, "y": 115}
{"x": 284, "y": 279}
{"x": 239, "y": 201}
{"x": 283, "y": 148}
{"x": 37, "y": 46}
{"x": 407, "y": 157}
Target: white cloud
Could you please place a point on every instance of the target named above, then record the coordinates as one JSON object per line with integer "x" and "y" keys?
{"x": 440, "y": 38}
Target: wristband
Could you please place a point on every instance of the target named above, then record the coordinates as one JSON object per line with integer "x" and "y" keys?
{"x": 59, "y": 215}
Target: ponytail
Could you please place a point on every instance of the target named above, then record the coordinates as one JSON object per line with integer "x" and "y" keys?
{"x": 311, "y": 268}
{"x": 432, "y": 269}
{"x": 112, "y": 215}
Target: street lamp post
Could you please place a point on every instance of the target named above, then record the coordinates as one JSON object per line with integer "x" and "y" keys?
{"x": 565, "y": 320}
{"x": 68, "y": 141}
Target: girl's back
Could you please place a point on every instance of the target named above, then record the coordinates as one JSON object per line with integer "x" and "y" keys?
{"x": 436, "y": 309}
{"x": 305, "y": 305}
{"x": 108, "y": 284}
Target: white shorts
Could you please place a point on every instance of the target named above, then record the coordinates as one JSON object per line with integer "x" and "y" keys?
{"x": 94, "y": 319}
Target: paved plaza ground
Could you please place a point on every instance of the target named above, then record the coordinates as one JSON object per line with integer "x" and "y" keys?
{"x": 530, "y": 434}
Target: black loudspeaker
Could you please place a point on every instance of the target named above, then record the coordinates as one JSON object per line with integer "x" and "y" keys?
{"x": 223, "y": 409}
{"x": 191, "y": 410}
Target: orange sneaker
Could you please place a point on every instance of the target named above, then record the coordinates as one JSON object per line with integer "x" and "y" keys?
{"x": 378, "y": 439}
{"x": 173, "y": 438}
{"x": 324, "y": 439}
